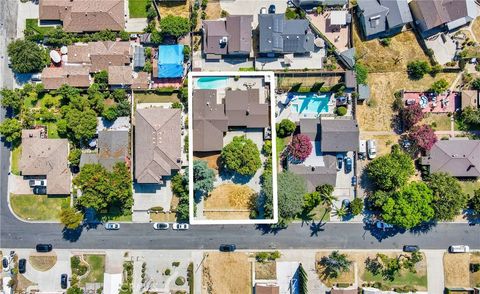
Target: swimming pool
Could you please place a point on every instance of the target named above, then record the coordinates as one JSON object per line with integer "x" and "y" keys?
{"x": 309, "y": 102}
{"x": 212, "y": 82}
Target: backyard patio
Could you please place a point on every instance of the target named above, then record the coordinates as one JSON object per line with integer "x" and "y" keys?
{"x": 443, "y": 103}
{"x": 333, "y": 24}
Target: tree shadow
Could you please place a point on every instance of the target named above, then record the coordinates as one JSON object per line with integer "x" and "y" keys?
{"x": 316, "y": 227}
{"x": 423, "y": 228}
{"x": 471, "y": 217}
{"x": 236, "y": 178}
{"x": 72, "y": 235}
{"x": 270, "y": 228}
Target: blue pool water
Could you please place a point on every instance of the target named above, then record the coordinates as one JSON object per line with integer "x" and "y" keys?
{"x": 212, "y": 82}
{"x": 309, "y": 102}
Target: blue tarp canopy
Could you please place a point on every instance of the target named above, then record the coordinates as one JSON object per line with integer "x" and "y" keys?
{"x": 170, "y": 61}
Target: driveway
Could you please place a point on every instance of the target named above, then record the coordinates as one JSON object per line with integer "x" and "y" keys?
{"x": 251, "y": 7}
{"x": 146, "y": 196}
{"x": 25, "y": 11}
{"x": 435, "y": 274}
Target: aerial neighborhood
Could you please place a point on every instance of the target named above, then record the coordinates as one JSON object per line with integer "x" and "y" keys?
{"x": 214, "y": 146}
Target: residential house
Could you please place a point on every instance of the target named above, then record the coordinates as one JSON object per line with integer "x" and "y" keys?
{"x": 112, "y": 147}
{"x": 73, "y": 75}
{"x": 229, "y": 37}
{"x": 120, "y": 76}
{"x": 100, "y": 55}
{"x": 433, "y": 16}
{"x": 169, "y": 62}
{"x": 78, "y": 16}
{"x": 470, "y": 98}
{"x": 278, "y": 35}
{"x": 382, "y": 18}
{"x": 211, "y": 118}
{"x": 48, "y": 159}
{"x": 157, "y": 144}
{"x": 446, "y": 156}
{"x": 267, "y": 288}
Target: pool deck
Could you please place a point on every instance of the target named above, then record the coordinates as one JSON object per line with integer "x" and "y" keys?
{"x": 452, "y": 100}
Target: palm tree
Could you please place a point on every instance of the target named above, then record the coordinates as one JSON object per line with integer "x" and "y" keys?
{"x": 326, "y": 197}
{"x": 303, "y": 279}
{"x": 335, "y": 264}
{"x": 341, "y": 211}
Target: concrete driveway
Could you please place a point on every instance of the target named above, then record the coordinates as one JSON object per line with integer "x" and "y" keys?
{"x": 25, "y": 11}
{"x": 251, "y": 7}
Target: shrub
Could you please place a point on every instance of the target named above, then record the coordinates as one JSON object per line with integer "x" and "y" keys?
{"x": 300, "y": 148}
{"x": 385, "y": 41}
{"x": 341, "y": 110}
{"x": 356, "y": 206}
{"x": 167, "y": 272}
{"x": 285, "y": 128}
{"x": 180, "y": 281}
{"x": 175, "y": 263}
{"x": 417, "y": 69}
{"x": 156, "y": 209}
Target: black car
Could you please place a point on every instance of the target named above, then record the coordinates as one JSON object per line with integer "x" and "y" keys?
{"x": 64, "y": 281}
{"x": 227, "y": 247}
{"x": 44, "y": 247}
{"x": 22, "y": 265}
{"x": 271, "y": 9}
{"x": 410, "y": 248}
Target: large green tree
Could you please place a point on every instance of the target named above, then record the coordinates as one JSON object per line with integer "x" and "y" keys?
{"x": 203, "y": 177}
{"x": 180, "y": 189}
{"x": 103, "y": 190}
{"x": 417, "y": 69}
{"x": 11, "y": 98}
{"x": 448, "y": 197}
{"x": 391, "y": 171}
{"x": 26, "y": 56}
{"x": 71, "y": 218}
{"x": 335, "y": 264}
{"x": 11, "y": 129}
{"x": 241, "y": 156}
{"x": 407, "y": 207}
{"x": 474, "y": 202}
{"x": 81, "y": 124}
{"x": 285, "y": 128}
{"x": 176, "y": 26}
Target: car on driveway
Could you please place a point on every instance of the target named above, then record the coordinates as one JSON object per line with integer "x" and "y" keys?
{"x": 160, "y": 226}
{"x": 112, "y": 226}
{"x": 44, "y": 248}
{"x": 348, "y": 164}
{"x": 227, "y": 247}
{"x": 371, "y": 149}
{"x": 64, "y": 281}
{"x": 271, "y": 9}
{"x": 383, "y": 225}
{"x": 411, "y": 248}
{"x": 180, "y": 226}
{"x": 22, "y": 265}
{"x": 5, "y": 264}
{"x": 37, "y": 183}
{"x": 459, "y": 249}
{"x": 339, "y": 161}
{"x": 263, "y": 10}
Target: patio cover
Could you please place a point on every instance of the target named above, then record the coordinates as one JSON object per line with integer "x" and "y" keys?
{"x": 170, "y": 61}
{"x": 338, "y": 17}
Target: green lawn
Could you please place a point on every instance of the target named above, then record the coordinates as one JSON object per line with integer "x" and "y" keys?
{"x": 470, "y": 186}
{"x": 318, "y": 214}
{"x": 115, "y": 214}
{"x": 155, "y": 98}
{"x": 38, "y": 207}
{"x": 52, "y": 130}
{"x": 439, "y": 122}
{"x": 137, "y": 8}
{"x": 16, "y": 155}
{"x": 406, "y": 278}
{"x": 32, "y": 23}
{"x": 280, "y": 146}
{"x": 96, "y": 269}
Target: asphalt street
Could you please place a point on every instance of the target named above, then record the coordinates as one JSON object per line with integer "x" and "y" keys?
{"x": 17, "y": 234}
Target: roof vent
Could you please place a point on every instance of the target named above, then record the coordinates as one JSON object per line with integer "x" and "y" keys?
{"x": 313, "y": 168}
{"x": 247, "y": 113}
{"x": 224, "y": 40}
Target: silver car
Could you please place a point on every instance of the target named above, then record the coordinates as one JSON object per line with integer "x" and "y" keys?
{"x": 180, "y": 226}
{"x": 112, "y": 226}
{"x": 161, "y": 226}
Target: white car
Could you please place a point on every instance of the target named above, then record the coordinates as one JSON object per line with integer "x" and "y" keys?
{"x": 112, "y": 226}
{"x": 459, "y": 249}
{"x": 161, "y": 226}
{"x": 371, "y": 149}
{"x": 180, "y": 226}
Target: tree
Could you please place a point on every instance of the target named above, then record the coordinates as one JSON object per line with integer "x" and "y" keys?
{"x": 476, "y": 84}
{"x": 74, "y": 290}
{"x": 67, "y": 94}
{"x": 356, "y": 206}
{"x": 110, "y": 113}
{"x": 180, "y": 189}
{"x": 11, "y": 98}
{"x": 391, "y": 171}
{"x": 11, "y": 129}
{"x": 203, "y": 177}
{"x": 124, "y": 36}
{"x": 241, "y": 156}
{"x": 302, "y": 280}
{"x": 101, "y": 78}
{"x": 81, "y": 124}
{"x": 285, "y": 128}
{"x": 156, "y": 37}
{"x": 411, "y": 115}
{"x": 407, "y": 207}
{"x": 102, "y": 189}
{"x": 470, "y": 116}
{"x": 361, "y": 73}
{"x": 71, "y": 218}
{"x": 417, "y": 69}
{"x": 74, "y": 156}
{"x": 439, "y": 86}
{"x": 175, "y": 25}
{"x": 148, "y": 67}
{"x": 448, "y": 197}
{"x": 335, "y": 264}
{"x": 423, "y": 137}
{"x": 311, "y": 200}
{"x": 300, "y": 148}
{"x": 326, "y": 194}
{"x": 474, "y": 202}
{"x": 341, "y": 212}
{"x": 26, "y": 56}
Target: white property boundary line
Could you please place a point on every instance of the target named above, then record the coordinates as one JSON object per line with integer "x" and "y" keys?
{"x": 269, "y": 76}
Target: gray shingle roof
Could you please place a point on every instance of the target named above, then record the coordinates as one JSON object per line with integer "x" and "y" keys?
{"x": 339, "y": 135}
{"x": 112, "y": 148}
{"x": 318, "y": 175}
{"x": 398, "y": 12}
{"x": 308, "y": 3}
{"x": 139, "y": 57}
{"x": 279, "y": 35}
{"x": 237, "y": 29}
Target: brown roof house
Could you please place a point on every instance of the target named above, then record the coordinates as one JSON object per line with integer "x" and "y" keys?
{"x": 267, "y": 288}
{"x": 458, "y": 157}
{"x": 141, "y": 80}
{"x": 157, "y": 144}
{"x": 84, "y": 15}
{"x": 100, "y": 55}
{"x": 46, "y": 158}
{"x": 112, "y": 148}
{"x": 231, "y": 36}
{"x": 470, "y": 98}
{"x": 211, "y": 117}
{"x": 73, "y": 75}
{"x": 120, "y": 75}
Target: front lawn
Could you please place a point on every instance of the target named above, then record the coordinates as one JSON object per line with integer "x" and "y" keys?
{"x": 281, "y": 144}
{"x": 38, "y": 207}
{"x": 138, "y": 8}
{"x": 42, "y": 263}
{"x": 115, "y": 214}
{"x": 96, "y": 269}
{"x": 456, "y": 270}
{"x": 16, "y": 155}
{"x": 32, "y": 23}
{"x": 318, "y": 214}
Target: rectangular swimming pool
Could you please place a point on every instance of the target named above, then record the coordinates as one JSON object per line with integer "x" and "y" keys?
{"x": 212, "y": 82}
{"x": 309, "y": 102}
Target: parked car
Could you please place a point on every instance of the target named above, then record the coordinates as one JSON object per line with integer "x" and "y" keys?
{"x": 410, "y": 248}
{"x": 227, "y": 247}
{"x": 36, "y": 77}
{"x": 44, "y": 247}
{"x": 459, "y": 249}
{"x": 346, "y": 203}
{"x": 271, "y": 9}
{"x": 348, "y": 164}
{"x": 371, "y": 149}
{"x": 180, "y": 226}
{"x": 112, "y": 226}
{"x": 354, "y": 180}
{"x": 64, "y": 281}
{"x": 22, "y": 265}
{"x": 383, "y": 225}
{"x": 362, "y": 149}
{"x": 5, "y": 264}
{"x": 40, "y": 190}
{"x": 339, "y": 161}
{"x": 263, "y": 10}
{"x": 160, "y": 226}
{"x": 37, "y": 183}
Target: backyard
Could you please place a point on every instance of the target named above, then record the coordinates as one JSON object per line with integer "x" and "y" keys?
{"x": 138, "y": 8}
{"x": 38, "y": 207}
{"x": 266, "y": 270}
{"x": 177, "y": 8}
{"x": 155, "y": 98}
{"x": 438, "y": 121}
{"x": 32, "y": 23}
{"x": 226, "y": 273}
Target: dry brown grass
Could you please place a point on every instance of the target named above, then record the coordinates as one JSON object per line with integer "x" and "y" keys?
{"x": 475, "y": 277}
{"x": 163, "y": 217}
{"x": 227, "y": 215}
{"x": 347, "y": 277}
{"x": 42, "y": 263}
{"x": 214, "y": 10}
{"x": 383, "y": 85}
{"x": 175, "y": 8}
{"x": 212, "y": 159}
{"x": 456, "y": 269}
{"x": 226, "y": 273}
{"x": 229, "y": 196}
{"x": 23, "y": 283}
{"x": 476, "y": 28}
{"x": 266, "y": 270}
